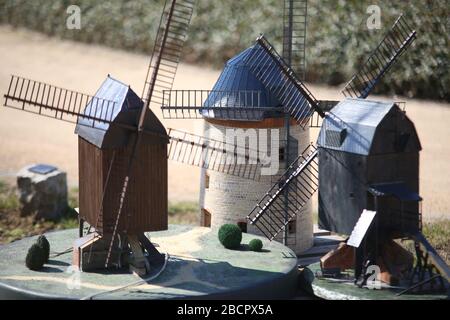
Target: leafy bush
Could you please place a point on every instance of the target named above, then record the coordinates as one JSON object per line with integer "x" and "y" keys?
{"x": 255, "y": 245}
{"x": 35, "y": 258}
{"x": 338, "y": 40}
{"x": 45, "y": 245}
{"x": 230, "y": 236}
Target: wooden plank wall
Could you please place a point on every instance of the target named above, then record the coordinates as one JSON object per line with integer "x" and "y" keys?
{"x": 145, "y": 207}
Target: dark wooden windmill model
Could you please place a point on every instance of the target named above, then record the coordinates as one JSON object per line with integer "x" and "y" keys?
{"x": 402, "y": 219}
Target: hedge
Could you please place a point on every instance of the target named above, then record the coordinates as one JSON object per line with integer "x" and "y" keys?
{"x": 337, "y": 42}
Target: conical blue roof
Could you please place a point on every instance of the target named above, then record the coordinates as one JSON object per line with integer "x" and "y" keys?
{"x": 237, "y": 77}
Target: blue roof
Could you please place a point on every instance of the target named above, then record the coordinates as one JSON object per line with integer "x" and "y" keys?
{"x": 397, "y": 189}
{"x": 125, "y": 110}
{"x": 235, "y": 77}
{"x": 359, "y": 119}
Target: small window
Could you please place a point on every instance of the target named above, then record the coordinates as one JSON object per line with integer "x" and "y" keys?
{"x": 335, "y": 138}
{"x": 206, "y": 218}
{"x": 282, "y": 154}
{"x": 292, "y": 227}
{"x": 206, "y": 181}
{"x": 243, "y": 226}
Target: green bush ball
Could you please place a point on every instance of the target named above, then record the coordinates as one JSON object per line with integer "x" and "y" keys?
{"x": 255, "y": 245}
{"x": 35, "y": 257}
{"x": 230, "y": 236}
{"x": 44, "y": 244}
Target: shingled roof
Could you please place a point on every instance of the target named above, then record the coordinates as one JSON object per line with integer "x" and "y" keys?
{"x": 235, "y": 77}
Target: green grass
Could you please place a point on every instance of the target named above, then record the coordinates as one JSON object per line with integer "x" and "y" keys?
{"x": 8, "y": 199}
{"x": 183, "y": 213}
{"x": 13, "y": 226}
{"x": 438, "y": 234}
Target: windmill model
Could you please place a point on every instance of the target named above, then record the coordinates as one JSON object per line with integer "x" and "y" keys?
{"x": 123, "y": 147}
{"x": 260, "y": 89}
{"x": 239, "y": 102}
{"x": 123, "y": 152}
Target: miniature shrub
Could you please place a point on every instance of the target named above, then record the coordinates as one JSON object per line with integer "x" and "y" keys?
{"x": 230, "y": 236}
{"x": 44, "y": 244}
{"x": 255, "y": 245}
{"x": 35, "y": 257}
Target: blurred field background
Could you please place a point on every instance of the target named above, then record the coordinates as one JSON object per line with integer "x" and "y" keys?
{"x": 338, "y": 39}
{"x": 117, "y": 37}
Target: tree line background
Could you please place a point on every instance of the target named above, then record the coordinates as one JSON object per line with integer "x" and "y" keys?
{"x": 338, "y": 40}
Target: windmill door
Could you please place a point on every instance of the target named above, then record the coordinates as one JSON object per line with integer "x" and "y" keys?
{"x": 206, "y": 218}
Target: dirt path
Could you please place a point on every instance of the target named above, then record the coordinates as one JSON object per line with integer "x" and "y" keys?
{"x": 26, "y": 138}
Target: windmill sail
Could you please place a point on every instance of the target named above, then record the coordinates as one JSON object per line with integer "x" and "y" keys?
{"x": 393, "y": 45}
{"x": 214, "y": 155}
{"x": 231, "y": 105}
{"x": 279, "y": 78}
{"x": 55, "y": 102}
{"x": 294, "y": 35}
{"x": 170, "y": 39}
{"x": 272, "y": 214}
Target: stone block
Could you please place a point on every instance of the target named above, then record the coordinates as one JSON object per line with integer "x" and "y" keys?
{"x": 42, "y": 193}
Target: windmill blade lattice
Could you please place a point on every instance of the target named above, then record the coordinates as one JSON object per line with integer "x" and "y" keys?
{"x": 279, "y": 78}
{"x": 393, "y": 45}
{"x": 272, "y": 214}
{"x": 294, "y": 35}
{"x": 170, "y": 39}
{"x": 214, "y": 155}
{"x": 55, "y": 102}
{"x": 196, "y": 104}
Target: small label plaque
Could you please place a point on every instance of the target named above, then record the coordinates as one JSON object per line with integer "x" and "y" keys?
{"x": 361, "y": 227}
{"x": 42, "y": 169}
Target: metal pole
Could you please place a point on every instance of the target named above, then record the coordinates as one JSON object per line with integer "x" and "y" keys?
{"x": 287, "y": 119}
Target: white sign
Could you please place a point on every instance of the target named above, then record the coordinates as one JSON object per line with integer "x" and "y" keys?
{"x": 361, "y": 227}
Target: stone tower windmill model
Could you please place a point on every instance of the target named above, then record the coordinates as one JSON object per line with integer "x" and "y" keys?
{"x": 241, "y": 104}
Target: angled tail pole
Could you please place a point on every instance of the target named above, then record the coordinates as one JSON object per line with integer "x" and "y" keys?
{"x": 278, "y": 77}
{"x": 55, "y": 102}
{"x": 171, "y": 36}
{"x": 301, "y": 181}
{"x": 391, "y": 47}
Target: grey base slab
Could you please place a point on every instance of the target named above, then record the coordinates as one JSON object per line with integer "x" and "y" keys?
{"x": 198, "y": 267}
{"x": 333, "y": 290}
